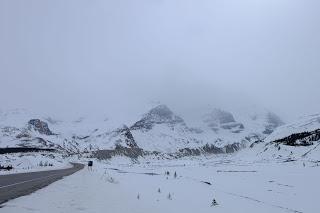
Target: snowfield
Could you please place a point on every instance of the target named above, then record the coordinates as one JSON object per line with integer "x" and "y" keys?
{"x": 121, "y": 186}
{"x": 32, "y": 162}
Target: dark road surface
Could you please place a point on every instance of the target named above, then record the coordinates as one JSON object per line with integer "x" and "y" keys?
{"x": 16, "y": 185}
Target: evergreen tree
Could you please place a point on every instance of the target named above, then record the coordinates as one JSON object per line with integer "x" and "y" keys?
{"x": 214, "y": 202}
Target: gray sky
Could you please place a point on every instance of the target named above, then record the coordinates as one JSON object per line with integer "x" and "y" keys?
{"x": 62, "y": 56}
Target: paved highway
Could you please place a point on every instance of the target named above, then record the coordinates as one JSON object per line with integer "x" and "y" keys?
{"x": 16, "y": 185}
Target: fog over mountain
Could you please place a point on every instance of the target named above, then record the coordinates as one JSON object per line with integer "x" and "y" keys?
{"x": 118, "y": 57}
{"x": 128, "y": 106}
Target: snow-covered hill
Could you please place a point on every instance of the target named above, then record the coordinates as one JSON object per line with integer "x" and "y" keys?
{"x": 297, "y": 140}
{"x": 303, "y": 124}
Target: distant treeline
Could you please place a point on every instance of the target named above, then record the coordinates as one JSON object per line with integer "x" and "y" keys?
{"x": 8, "y": 168}
{"x": 23, "y": 149}
{"x": 300, "y": 139}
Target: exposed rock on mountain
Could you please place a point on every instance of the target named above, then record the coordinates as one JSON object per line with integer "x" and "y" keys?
{"x": 39, "y": 126}
{"x": 119, "y": 150}
{"x": 207, "y": 149}
{"x": 160, "y": 131}
{"x": 23, "y": 134}
{"x": 119, "y": 137}
{"x": 158, "y": 115}
{"x": 134, "y": 153}
{"x": 299, "y": 139}
{"x": 126, "y": 137}
{"x": 37, "y": 142}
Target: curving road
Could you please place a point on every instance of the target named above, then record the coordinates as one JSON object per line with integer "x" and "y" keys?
{"x": 16, "y": 185}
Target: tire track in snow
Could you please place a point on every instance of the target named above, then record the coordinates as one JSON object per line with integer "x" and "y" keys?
{"x": 259, "y": 201}
{"x": 242, "y": 196}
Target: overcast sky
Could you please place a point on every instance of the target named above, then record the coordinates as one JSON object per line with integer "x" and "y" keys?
{"x": 105, "y": 55}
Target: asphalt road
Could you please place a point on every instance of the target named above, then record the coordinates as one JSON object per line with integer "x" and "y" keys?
{"x": 16, "y": 185}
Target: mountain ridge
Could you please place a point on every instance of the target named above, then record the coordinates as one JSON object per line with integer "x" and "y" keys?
{"x": 160, "y": 130}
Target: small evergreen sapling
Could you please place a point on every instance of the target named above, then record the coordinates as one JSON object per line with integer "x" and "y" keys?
{"x": 214, "y": 202}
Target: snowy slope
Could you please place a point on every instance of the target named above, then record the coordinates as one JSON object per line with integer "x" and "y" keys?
{"x": 124, "y": 187}
{"x": 299, "y": 140}
{"x": 306, "y": 123}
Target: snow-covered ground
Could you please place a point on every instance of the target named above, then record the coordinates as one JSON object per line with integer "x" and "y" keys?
{"x": 31, "y": 162}
{"x": 121, "y": 186}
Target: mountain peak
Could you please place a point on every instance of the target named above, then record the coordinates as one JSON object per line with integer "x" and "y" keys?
{"x": 218, "y": 118}
{"x": 221, "y": 116}
{"x": 39, "y": 126}
{"x": 158, "y": 115}
{"x": 161, "y": 112}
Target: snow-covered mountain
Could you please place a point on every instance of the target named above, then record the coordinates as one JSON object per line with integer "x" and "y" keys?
{"x": 162, "y": 130}
{"x": 303, "y": 124}
{"x": 297, "y": 140}
{"x": 159, "y": 130}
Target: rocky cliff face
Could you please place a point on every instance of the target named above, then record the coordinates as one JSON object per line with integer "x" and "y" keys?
{"x": 125, "y": 137}
{"x": 39, "y": 126}
{"x": 158, "y": 115}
